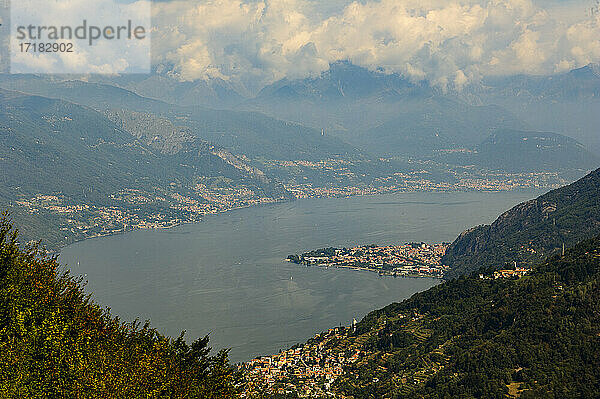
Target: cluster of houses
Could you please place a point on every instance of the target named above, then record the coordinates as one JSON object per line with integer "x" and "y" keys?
{"x": 307, "y": 371}
{"x": 411, "y": 259}
{"x": 516, "y": 273}
{"x": 137, "y": 209}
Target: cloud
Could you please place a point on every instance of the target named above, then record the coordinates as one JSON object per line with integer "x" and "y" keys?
{"x": 104, "y": 44}
{"x": 449, "y": 43}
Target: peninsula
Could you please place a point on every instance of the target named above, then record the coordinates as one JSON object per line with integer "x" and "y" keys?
{"x": 405, "y": 260}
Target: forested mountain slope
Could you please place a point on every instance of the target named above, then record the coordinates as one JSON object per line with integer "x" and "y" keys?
{"x": 249, "y": 133}
{"x": 55, "y": 148}
{"x": 531, "y": 230}
{"x": 537, "y": 336}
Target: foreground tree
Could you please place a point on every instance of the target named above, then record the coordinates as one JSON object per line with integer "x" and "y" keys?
{"x": 56, "y": 342}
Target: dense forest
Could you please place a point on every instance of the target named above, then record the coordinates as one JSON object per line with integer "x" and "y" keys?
{"x": 532, "y": 230}
{"x": 474, "y": 337}
{"x": 56, "y": 342}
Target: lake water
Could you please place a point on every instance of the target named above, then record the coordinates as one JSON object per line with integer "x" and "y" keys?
{"x": 226, "y": 275}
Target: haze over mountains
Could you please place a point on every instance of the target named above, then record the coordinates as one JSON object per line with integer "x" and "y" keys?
{"x": 566, "y": 103}
{"x": 356, "y": 103}
{"x": 360, "y": 106}
{"x": 353, "y": 100}
{"x": 348, "y": 130}
{"x": 441, "y": 109}
{"x": 256, "y": 133}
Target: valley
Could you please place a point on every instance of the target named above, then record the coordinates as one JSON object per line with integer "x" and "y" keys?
{"x": 273, "y": 199}
{"x": 151, "y": 163}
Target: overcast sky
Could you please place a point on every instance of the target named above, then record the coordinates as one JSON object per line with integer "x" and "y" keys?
{"x": 449, "y": 43}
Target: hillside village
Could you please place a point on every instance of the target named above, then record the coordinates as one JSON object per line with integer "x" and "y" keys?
{"x": 307, "y": 370}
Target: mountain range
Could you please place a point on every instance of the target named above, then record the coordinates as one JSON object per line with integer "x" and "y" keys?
{"x": 475, "y": 336}
{"x": 54, "y": 147}
{"x": 99, "y": 147}
{"x": 348, "y": 129}
{"x": 565, "y": 103}
{"x": 352, "y": 101}
{"x": 384, "y": 113}
{"x": 257, "y": 134}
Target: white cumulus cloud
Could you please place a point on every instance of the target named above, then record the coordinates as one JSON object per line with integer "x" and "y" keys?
{"x": 455, "y": 42}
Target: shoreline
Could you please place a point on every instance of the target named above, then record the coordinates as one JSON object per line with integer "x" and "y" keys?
{"x": 366, "y": 269}
{"x": 273, "y": 212}
{"x": 179, "y": 224}
{"x": 284, "y": 201}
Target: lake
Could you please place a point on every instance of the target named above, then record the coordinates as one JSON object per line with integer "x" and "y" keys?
{"x": 226, "y": 275}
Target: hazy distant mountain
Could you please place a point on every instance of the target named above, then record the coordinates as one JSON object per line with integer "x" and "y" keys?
{"x": 99, "y": 96}
{"x": 567, "y": 103}
{"x": 344, "y": 98}
{"x": 436, "y": 123}
{"x": 384, "y": 114}
{"x": 213, "y": 93}
{"x": 518, "y": 151}
{"x": 578, "y": 84}
{"x": 343, "y": 83}
{"x": 258, "y": 135}
{"x": 389, "y": 115}
{"x": 349, "y": 110}
{"x": 247, "y": 133}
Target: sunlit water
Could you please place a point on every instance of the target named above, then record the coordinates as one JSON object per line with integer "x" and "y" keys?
{"x": 226, "y": 275}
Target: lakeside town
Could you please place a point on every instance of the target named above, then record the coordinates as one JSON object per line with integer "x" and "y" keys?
{"x": 405, "y": 260}
{"x": 306, "y": 370}
{"x": 82, "y": 217}
{"x": 342, "y": 178}
{"x": 135, "y": 209}
{"x": 341, "y": 355}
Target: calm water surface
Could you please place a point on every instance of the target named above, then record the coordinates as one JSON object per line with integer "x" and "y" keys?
{"x": 226, "y": 275}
